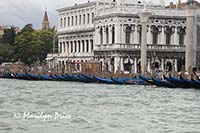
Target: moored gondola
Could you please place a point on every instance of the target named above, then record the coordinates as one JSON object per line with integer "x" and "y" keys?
{"x": 163, "y": 83}
{"x": 104, "y": 80}
{"x": 148, "y": 81}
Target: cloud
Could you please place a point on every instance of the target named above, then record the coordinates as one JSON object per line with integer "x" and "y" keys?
{"x": 21, "y": 12}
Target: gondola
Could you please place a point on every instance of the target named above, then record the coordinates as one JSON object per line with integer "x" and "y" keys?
{"x": 178, "y": 82}
{"x": 32, "y": 76}
{"x": 184, "y": 84}
{"x": 89, "y": 78}
{"x": 46, "y": 77}
{"x": 84, "y": 79}
{"x": 187, "y": 81}
{"x": 120, "y": 80}
{"x": 104, "y": 80}
{"x": 195, "y": 83}
{"x": 67, "y": 78}
{"x": 163, "y": 83}
{"x": 148, "y": 81}
{"x": 61, "y": 78}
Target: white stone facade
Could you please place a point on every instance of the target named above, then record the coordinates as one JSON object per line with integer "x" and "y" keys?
{"x": 110, "y": 32}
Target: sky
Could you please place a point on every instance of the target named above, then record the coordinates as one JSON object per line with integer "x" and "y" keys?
{"x": 22, "y": 12}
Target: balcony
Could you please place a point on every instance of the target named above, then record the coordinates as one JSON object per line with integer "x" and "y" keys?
{"x": 137, "y": 47}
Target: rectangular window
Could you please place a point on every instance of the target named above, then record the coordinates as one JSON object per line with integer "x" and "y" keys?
{"x": 64, "y": 22}
{"x": 71, "y": 47}
{"x": 79, "y": 19}
{"x": 91, "y": 43}
{"x": 88, "y": 18}
{"x": 83, "y": 18}
{"x": 76, "y": 20}
{"x": 72, "y": 20}
{"x": 92, "y": 17}
{"x": 83, "y": 46}
{"x": 61, "y": 21}
{"x": 87, "y": 46}
{"x": 68, "y": 21}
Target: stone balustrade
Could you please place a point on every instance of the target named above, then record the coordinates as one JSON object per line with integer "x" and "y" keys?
{"x": 150, "y": 47}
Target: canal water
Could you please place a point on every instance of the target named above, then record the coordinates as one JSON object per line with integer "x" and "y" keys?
{"x": 69, "y": 107}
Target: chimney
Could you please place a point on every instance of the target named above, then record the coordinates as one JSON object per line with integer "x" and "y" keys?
{"x": 171, "y": 5}
{"x": 179, "y": 4}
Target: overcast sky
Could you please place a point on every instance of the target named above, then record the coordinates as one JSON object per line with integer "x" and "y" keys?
{"x": 21, "y": 12}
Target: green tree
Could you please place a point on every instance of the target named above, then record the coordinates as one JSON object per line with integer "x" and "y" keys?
{"x": 6, "y": 53}
{"x": 32, "y": 45}
{"x": 9, "y": 36}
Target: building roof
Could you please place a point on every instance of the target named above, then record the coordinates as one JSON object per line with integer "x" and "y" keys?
{"x": 181, "y": 5}
{"x": 45, "y": 19}
{"x": 76, "y": 6}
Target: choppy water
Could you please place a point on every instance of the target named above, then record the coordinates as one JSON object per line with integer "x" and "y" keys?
{"x": 95, "y": 108}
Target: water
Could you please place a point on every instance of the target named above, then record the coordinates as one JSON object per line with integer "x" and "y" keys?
{"x": 96, "y": 108}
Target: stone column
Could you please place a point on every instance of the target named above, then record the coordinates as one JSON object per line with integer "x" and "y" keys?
{"x": 62, "y": 45}
{"x": 121, "y": 64}
{"x": 135, "y": 64}
{"x": 132, "y": 34}
{"x": 110, "y": 34}
{"x": 144, "y": 15}
{"x": 176, "y": 37}
{"x": 81, "y": 46}
{"x": 104, "y": 35}
{"x": 149, "y": 65}
{"x": 135, "y": 35}
{"x": 59, "y": 50}
{"x": 96, "y": 37}
{"x": 117, "y": 33}
{"x": 190, "y": 38}
{"x": 123, "y": 34}
{"x": 149, "y": 35}
{"x": 162, "y": 65}
{"x": 175, "y": 65}
{"x": 162, "y": 38}
{"x": 116, "y": 64}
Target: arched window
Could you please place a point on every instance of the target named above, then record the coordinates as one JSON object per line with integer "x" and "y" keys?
{"x": 128, "y": 35}
{"x": 101, "y": 36}
{"x": 181, "y": 33}
{"x": 155, "y": 34}
{"x": 113, "y": 35}
{"x": 168, "y": 33}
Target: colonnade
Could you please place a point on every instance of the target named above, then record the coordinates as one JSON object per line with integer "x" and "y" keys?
{"x": 75, "y": 46}
{"x": 118, "y": 64}
{"x": 117, "y": 33}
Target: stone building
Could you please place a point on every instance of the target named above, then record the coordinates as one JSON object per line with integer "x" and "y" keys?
{"x": 109, "y": 31}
